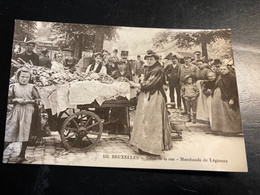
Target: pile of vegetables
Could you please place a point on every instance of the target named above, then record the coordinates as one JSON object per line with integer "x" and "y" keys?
{"x": 42, "y": 76}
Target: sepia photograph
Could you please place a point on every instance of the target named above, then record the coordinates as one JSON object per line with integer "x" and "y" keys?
{"x": 123, "y": 97}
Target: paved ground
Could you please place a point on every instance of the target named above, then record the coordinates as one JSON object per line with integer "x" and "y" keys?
{"x": 194, "y": 142}
{"x": 53, "y": 152}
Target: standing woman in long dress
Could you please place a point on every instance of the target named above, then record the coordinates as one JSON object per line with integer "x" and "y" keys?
{"x": 151, "y": 130}
{"x": 226, "y": 118}
{"x": 23, "y": 96}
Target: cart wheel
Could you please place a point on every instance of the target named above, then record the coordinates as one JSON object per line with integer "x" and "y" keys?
{"x": 81, "y": 131}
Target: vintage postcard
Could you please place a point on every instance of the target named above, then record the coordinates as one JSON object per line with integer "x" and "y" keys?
{"x": 112, "y": 96}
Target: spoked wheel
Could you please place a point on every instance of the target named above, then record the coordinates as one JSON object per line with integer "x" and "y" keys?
{"x": 81, "y": 131}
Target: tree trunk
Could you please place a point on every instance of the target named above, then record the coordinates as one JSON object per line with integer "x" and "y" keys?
{"x": 204, "y": 51}
{"x": 78, "y": 46}
{"x": 99, "y": 39}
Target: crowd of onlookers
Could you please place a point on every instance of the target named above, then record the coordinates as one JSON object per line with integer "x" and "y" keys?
{"x": 191, "y": 80}
{"x": 207, "y": 90}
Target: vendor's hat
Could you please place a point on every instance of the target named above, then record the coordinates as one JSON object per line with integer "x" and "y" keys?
{"x": 30, "y": 42}
{"x": 197, "y": 52}
{"x": 151, "y": 53}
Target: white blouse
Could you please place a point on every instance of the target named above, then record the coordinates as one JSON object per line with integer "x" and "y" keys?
{"x": 103, "y": 69}
{"x": 58, "y": 67}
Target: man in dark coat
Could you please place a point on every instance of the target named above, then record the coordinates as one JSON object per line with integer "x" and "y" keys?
{"x": 172, "y": 72}
{"x": 29, "y": 56}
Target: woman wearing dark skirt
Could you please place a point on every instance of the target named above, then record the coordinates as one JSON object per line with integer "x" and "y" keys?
{"x": 151, "y": 130}
{"x": 226, "y": 118}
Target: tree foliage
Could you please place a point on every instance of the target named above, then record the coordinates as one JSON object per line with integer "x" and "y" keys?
{"x": 190, "y": 39}
{"x": 70, "y": 32}
{"x": 186, "y": 40}
{"x": 24, "y": 29}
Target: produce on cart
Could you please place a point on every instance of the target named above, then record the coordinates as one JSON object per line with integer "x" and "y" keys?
{"x": 60, "y": 91}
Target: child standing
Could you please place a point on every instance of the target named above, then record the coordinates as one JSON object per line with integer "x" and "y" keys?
{"x": 190, "y": 92}
{"x": 23, "y": 95}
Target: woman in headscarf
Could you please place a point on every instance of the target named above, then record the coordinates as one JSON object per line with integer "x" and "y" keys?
{"x": 225, "y": 106}
{"x": 151, "y": 130}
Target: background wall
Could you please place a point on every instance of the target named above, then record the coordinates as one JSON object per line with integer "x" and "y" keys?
{"x": 243, "y": 17}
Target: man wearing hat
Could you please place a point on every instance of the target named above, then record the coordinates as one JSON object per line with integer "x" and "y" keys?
{"x": 172, "y": 72}
{"x": 44, "y": 59}
{"x": 197, "y": 56}
{"x": 28, "y": 55}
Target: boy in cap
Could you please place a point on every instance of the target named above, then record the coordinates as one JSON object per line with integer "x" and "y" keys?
{"x": 190, "y": 93}
{"x": 186, "y": 69}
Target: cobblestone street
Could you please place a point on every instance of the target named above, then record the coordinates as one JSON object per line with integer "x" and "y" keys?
{"x": 194, "y": 143}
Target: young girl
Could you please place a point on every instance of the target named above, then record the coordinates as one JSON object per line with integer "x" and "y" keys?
{"x": 23, "y": 95}
{"x": 190, "y": 92}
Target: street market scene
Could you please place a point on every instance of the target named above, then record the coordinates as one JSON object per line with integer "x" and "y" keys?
{"x": 110, "y": 96}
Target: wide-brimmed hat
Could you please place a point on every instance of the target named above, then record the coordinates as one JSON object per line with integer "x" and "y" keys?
{"x": 151, "y": 53}
{"x": 98, "y": 54}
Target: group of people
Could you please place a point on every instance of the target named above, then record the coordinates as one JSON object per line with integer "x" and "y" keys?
{"x": 99, "y": 62}
{"x": 59, "y": 64}
{"x": 207, "y": 91}
{"x": 197, "y": 84}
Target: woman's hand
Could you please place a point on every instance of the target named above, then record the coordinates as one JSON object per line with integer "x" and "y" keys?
{"x": 136, "y": 85}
